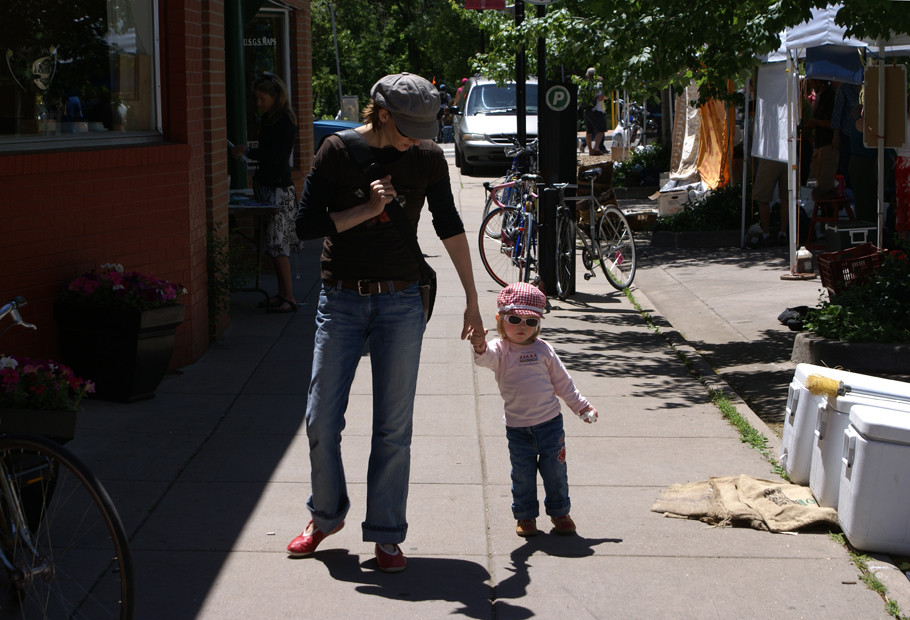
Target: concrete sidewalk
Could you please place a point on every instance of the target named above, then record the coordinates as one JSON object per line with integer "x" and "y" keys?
{"x": 212, "y": 474}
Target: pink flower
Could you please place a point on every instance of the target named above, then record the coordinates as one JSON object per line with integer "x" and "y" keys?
{"x": 40, "y": 384}
{"x": 112, "y": 287}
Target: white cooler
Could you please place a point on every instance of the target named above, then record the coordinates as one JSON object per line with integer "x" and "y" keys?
{"x": 831, "y": 422}
{"x": 802, "y": 412}
{"x": 874, "y": 498}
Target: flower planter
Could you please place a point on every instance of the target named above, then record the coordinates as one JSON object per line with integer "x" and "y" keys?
{"x": 125, "y": 352}
{"x": 57, "y": 425}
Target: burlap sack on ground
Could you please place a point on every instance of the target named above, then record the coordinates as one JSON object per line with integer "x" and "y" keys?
{"x": 769, "y": 505}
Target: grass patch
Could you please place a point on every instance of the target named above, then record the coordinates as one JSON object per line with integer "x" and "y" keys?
{"x": 868, "y": 577}
{"x": 747, "y": 433}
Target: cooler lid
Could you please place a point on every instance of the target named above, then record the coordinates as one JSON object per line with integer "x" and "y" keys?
{"x": 845, "y": 404}
{"x": 880, "y": 424}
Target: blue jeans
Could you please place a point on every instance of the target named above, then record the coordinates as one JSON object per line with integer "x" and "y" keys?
{"x": 539, "y": 448}
{"x": 393, "y": 324}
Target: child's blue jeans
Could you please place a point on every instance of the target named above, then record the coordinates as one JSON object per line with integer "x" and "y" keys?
{"x": 539, "y": 448}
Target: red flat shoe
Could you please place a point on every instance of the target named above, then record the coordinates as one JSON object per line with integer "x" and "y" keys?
{"x": 394, "y": 562}
{"x": 306, "y": 543}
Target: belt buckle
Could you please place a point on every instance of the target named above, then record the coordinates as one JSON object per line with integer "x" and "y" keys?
{"x": 364, "y": 287}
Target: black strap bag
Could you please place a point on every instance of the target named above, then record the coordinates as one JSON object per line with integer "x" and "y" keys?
{"x": 360, "y": 152}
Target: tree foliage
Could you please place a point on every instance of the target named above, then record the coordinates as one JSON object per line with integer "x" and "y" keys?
{"x": 647, "y": 45}
{"x": 378, "y": 37}
{"x": 639, "y": 45}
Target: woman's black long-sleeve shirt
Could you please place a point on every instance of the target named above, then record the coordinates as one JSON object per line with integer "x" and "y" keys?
{"x": 276, "y": 142}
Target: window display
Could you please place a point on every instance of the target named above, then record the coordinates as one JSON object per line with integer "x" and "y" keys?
{"x": 81, "y": 70}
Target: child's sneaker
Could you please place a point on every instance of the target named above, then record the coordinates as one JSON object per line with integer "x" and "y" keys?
{"x": 563, "y": 525}
{"x": 526, "y": 527}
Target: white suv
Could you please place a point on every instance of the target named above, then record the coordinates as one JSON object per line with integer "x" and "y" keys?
{"x": 487, "y": 122}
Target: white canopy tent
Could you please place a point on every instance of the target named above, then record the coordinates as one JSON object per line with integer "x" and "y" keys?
{"x": 820, "y": 32}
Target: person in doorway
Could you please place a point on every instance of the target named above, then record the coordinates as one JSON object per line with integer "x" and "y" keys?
{"x": 531, "y": 377}
{"x": 824, "y": 159}
{"x": 770, "y": 175}
{"x": 846, "y": 98}
{"x": 272, "y": 181}
{"x": 370, "y": 296}
{"x": 590, "y": 99}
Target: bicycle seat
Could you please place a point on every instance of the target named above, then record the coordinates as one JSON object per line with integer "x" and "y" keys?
{"x": 593, "y": 173}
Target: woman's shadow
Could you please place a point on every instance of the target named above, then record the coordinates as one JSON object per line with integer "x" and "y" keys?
{"x": 462, "y": 581}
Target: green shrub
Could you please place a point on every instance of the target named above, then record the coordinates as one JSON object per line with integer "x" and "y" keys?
{"x": 718, "y": 210}
{"x": 873, "y": 311}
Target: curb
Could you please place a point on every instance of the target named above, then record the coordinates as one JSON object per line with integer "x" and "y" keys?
{"x": 707, "y": 375}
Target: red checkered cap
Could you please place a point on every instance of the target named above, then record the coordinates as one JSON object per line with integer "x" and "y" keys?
{"x": 522, "y": 299}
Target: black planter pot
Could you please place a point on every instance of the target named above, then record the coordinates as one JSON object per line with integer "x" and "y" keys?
{"x": 125, "y": 352}
{"x": 57, "y": 425}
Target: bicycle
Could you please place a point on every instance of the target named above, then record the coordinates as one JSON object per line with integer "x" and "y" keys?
{"x": 608, "y": 241}
{"x": 63, "y": 549}
{"x": 632, "y": 133}
{"x": 505, "y": 192}
{"x": 508, "y": 236}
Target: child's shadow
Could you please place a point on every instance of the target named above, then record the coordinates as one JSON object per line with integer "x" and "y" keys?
{"x": 516, "y": 585}
{"x": 426, "y": 579}
{"x": 461, "y": 581}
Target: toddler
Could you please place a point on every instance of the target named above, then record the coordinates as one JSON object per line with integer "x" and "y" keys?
{"x": 530, "y": 377}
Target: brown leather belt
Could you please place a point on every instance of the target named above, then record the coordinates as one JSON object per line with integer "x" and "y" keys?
{"x": 369, "y": 287}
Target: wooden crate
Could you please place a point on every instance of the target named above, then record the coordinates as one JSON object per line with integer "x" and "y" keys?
{"x": 603, "y": 185}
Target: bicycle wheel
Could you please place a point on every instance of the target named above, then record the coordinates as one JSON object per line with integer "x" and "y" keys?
{"x": 507, "y": 196}
{"x": 73, "y": 560}
{"x": 501, "y": 252}
{"x": 565, "y": 252}
{"x": 636, "y": 134}
{"x": 616, "y": 248}
{"x": 527, "y": 257}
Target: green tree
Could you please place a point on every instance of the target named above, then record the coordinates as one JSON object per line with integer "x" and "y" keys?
{"x": 377, "y": 37}
{"x": 646, "y": 45}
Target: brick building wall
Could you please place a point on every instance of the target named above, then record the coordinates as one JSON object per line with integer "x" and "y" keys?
{"x": 148, "y": 207}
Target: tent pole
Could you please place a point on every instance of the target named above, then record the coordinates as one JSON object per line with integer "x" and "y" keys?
{"x": 880, "y": 143}
{"x": 746, "y": 132}
{"x": 792, "y": 177}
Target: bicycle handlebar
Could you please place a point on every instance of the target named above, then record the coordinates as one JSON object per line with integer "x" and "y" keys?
{"x": 517, "y": 149}
{"x": 11, "y": 308}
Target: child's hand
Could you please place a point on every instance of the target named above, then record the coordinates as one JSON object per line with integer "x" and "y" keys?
{"x": 478, "y": 340}
{"x": 589, "y": 415}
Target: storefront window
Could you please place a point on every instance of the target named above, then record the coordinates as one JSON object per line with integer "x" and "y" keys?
{"x": 78, "y": 71}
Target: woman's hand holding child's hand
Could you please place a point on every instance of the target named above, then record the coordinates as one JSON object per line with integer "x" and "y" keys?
{"x": 589, "y": 415}
{"x": 478, "y": 340}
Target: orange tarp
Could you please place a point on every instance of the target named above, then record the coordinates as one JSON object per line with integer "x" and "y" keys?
{"x": 713, "y": 145}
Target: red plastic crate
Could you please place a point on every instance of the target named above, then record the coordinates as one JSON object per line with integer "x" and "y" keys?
{"x": 850, "y": 266}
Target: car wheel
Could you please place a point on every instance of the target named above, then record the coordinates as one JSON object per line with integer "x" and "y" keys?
{"x": 457, "y": 158}
{"x": 466, "y": 168}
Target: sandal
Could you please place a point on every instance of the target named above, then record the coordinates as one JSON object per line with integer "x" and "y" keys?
{"x": 285, "y": 305}
{"x": 271, "y": 302}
